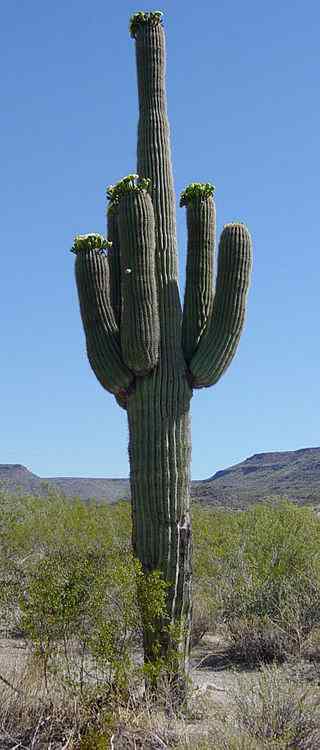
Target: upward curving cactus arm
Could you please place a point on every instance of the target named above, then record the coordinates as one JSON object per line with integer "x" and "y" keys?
{"x": 198, "y": 296}
{"x": 114, "y": 264}
{"x": 102, "y": 336}
{"x": 220, "y": 340}
{"x": 139, "y": 330}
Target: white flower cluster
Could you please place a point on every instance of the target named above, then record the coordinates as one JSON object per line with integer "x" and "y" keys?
{"x": 125, "y": 185}
{"x": 91, "y": 241}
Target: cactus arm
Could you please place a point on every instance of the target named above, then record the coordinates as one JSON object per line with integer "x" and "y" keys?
{"x": 219, "y": 342}
{"x": 139, "y": 316}
{"x": 114, "y": 264}
{"x": 198, "y": 296}
{"x": 102, "y": 336}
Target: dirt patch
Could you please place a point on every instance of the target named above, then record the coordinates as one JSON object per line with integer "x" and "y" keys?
{"x": 213, "y": 672}
{"x": 217, "y": 683}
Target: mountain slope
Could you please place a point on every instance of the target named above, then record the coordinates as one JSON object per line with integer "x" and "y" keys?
{"x": 16, "y": 478}
{"x": 292, "y": 474}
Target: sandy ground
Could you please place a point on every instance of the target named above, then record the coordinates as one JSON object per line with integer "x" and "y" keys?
{"x": 212, "y": 686}
{"x": 215, "y": 681}
{"x": 209, "y": 670}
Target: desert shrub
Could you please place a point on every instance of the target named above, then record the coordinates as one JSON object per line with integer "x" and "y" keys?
{"x": 205, "y": 612}
{"x": 73, "y": 605}
{"x": 65, "y": 566}
{"x": 275, "y": 619}
{"x": 31, "y": 525}
{"x": 71, "y": 580}
{"x": 261, "y": 571}
{"x": 220, "y": 739}
{"x": 216, "y": 536}
{"x": 276, "y": 711}
{"x": 254, "y": 640}
{"x": 274, "y": 597}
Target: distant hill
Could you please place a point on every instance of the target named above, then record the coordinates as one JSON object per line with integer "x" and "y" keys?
{"x": 16, "y": 478}
{"x": 291, "y": 474}
{"x": 99, "y": 489}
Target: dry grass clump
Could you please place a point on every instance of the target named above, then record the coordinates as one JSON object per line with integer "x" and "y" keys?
{"x": 36, "y": 717}
{"x": 271, "y": 712}
{"x": 220, "y": 742}
{"x": 51, "y": 715}
{"x": 205, "y": 618}
{"x": 311, "y": 648}
{"x": 255, "y": 640}
{"x": 279, "y": 712}
{"x": 31, "y": 716}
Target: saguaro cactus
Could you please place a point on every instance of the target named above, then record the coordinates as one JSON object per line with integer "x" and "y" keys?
{"x": 143, "y": 348}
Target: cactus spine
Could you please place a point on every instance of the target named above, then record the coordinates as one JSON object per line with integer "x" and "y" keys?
{"x": 148, "y": 352}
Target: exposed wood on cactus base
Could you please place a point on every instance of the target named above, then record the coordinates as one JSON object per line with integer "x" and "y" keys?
{"x": 144, "y": 350}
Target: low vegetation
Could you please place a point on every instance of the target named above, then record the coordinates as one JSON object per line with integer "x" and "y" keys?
{"x": 71, "y": 673}
{"x": 259, "y": 573}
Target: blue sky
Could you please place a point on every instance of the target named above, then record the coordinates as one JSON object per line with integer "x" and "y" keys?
{"x": 243, "y": 100}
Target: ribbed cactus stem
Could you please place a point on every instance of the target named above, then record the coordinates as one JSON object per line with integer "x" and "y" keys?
{"x": 114, "y": 264}
{"x": 102, "y": 335}
{"x": 218, "y": 345}
{"x": 198, "y": 297}
{"x": 159, "y": 451}
{"x": 158, "y": 412}
{"x": 154, "y": 161}
{"x": 139, "y": 314}
{"x": 142, "y": 349}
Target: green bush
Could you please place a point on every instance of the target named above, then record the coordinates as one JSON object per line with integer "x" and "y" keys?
{"x": 260, "y": 570}
{"x": 278, "y": 712}
{"x": 71, "y": 580}
{"x": 67, "y": 575}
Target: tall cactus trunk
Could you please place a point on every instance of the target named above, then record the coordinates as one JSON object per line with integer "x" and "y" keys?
{"x": 149, "y": 353}
{"x": 158, "y": 413}
{"x": 159, "y": 449}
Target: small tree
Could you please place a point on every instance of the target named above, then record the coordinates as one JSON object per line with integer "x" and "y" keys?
{"x": 148, "y": 352}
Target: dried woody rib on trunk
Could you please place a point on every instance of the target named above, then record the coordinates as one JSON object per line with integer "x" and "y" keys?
{"x": 146, "y": 350}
